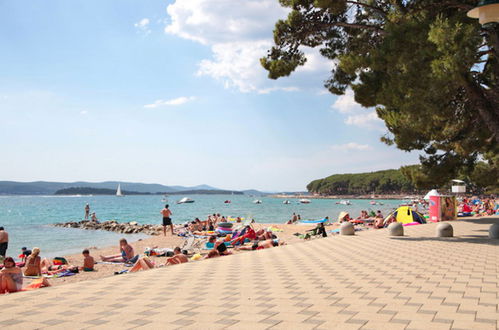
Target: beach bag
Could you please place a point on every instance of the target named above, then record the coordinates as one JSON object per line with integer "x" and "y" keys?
{"x": 59, "y": 261}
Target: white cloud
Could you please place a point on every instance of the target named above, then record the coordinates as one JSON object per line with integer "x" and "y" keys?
{"x": 236, "y": 65}
{"x": 143, "y": 26}
{"x": 239, "y": 33}
{"x": 219, "y": 21}
{"x": 346, "y": 103}
{"x": 273, "y": 89}
{"x": 83, "y": 112}
{"x": 357, "y": 115}
{"x": 173, "y": 102}
{"x": 350, "y": 146}
{"x": 367, "y": 120}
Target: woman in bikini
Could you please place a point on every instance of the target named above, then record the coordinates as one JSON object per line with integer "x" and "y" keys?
{"x": 11, "y": 277}
{"x": 127, "y": 254}
{"x": 33, "y": 263}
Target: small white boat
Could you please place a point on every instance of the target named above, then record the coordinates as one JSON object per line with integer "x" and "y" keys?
{"x": 305, "y": 201}
{"x": 344, "y": 203}
{"x": 286, "y": 202}
{"x": 372, "y": 202}
{"x": 185, "y": 200}
{"x": 118, "y": 191}
{"x": 257, "y": 201}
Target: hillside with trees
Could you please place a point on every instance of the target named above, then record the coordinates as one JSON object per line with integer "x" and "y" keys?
{"x": 380, "y": 182}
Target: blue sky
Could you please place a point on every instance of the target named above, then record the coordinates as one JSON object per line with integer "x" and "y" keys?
{"x": 170, "y": 92}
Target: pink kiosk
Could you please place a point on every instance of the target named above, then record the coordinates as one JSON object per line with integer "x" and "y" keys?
{"x": 442, "y": 208}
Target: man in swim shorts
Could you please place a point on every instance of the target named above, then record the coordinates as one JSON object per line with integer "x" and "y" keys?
{"x": 4, "y": 242}
{"x": 167, "y": 220}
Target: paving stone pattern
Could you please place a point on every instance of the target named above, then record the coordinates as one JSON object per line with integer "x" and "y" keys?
{"x": 367, "y": 281}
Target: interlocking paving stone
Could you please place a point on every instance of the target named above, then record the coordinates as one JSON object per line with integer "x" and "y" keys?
{"x": 329, "y": 283}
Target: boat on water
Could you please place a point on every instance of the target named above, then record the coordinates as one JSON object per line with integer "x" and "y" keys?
{"x": 185, "y": 200}
{"x": 257, "y": 201}
{"x": 118, "y": 191}
{"x": 227, "y": 201}
{"x": 305, "y": 201}
{"x": 375, "y": 203}
{"x": 344, "y": 202}
{"x": 286, "y": 202}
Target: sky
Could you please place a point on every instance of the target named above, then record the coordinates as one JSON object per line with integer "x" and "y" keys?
{"x": 171, "y": 92}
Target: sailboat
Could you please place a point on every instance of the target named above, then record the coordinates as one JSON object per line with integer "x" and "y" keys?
{"x": 118, "y": 191}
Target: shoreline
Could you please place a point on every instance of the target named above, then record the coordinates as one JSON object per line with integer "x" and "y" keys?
{"x": 352, "y": 197}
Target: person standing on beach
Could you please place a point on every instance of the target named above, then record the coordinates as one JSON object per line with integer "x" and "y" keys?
{"x": 4, "y": 242}
{"x": 87, "y": 211}
{"x": 167, "y": 220}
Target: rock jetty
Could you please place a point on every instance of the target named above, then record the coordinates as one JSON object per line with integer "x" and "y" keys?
{"x": 113, "y": 225}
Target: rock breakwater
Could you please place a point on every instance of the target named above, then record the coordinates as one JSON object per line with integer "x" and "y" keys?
{"x": 113, "y": 225}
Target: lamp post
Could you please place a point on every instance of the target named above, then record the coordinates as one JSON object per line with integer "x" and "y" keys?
{"x": 487, "y": 11}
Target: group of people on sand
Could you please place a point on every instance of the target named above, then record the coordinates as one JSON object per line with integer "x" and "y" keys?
{"x": 247, "y": 238}
{"x": 477, "y": 207}
{"x": 33, "y": 266}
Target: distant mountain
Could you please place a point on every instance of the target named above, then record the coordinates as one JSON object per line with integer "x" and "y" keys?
{"x": 49, "y": 188}
{"x": 254, "y": 192}
{"x": 104, "y": 191}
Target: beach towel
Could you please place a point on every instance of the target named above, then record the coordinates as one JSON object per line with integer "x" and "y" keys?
{"x": 109, "y": 263}
{"x": 38, "y": 277}
{"x": 36, "y": 284}
{"x": 314, "y": 221}
{"x": 65, "y": 274}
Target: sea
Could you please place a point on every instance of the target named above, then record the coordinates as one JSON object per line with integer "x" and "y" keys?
{"x": 28, "y": 219}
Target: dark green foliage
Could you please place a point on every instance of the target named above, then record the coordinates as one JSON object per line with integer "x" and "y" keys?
{"x": 380, "y": 182}
{"x": 431, "y": 72}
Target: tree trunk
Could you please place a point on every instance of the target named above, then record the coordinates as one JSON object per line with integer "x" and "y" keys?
{"x": 486, "y": 109}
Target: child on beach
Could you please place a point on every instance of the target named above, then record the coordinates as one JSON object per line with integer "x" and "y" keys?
{"x": 88, "y": 261}
{"x": 25, "y": 253}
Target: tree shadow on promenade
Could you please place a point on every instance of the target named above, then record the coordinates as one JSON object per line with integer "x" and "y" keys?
{"x": 474, "y": 239}
{"x": 476, "y": 236}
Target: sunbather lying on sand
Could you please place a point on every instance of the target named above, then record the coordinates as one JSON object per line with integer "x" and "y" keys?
{"x": 145, "y": 263}
{"x": 249, "y": 234}
{"x": 212, "y": 254}
{"x": 262, "y": 245}
{"x": 127, "y": 254}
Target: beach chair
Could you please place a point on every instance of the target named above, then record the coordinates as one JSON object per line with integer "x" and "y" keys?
{"x": 192, "y": 244}
{"x": 247, "y": 222}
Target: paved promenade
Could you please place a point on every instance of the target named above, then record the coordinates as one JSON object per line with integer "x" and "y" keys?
{"x": 369, "y": 281}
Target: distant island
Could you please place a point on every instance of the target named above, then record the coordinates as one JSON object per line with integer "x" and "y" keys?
{"x": 95, "y": 191}
{"x": 104, "y": 191}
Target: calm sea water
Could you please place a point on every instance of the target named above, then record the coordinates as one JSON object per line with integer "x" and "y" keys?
{"x": 28, "y": 218}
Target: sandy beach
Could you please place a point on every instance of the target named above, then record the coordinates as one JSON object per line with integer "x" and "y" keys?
{"x": 105, "y": 270}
